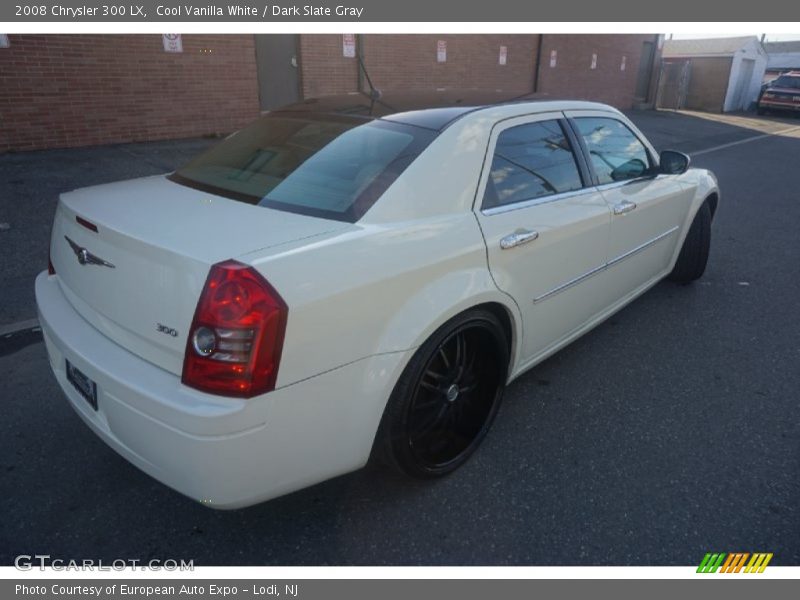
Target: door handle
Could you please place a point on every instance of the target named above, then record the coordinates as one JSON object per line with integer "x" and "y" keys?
{"x": 519, "y": 237}
{"x": 623, "y": 207}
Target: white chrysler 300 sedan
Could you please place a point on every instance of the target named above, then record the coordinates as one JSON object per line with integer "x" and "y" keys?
{"x": 353, "y": 277}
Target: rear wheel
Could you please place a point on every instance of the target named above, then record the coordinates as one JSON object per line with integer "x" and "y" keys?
{"x": 691, "y": 263}
{"x": 446, "y": 399}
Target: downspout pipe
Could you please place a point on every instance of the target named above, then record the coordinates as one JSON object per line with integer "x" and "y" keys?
{"x": 538, "y": 64}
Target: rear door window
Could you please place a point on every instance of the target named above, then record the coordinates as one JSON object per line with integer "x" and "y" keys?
{"x": 531, "y": 161}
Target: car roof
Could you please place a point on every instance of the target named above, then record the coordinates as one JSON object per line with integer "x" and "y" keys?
{"x": 435, "y": 109}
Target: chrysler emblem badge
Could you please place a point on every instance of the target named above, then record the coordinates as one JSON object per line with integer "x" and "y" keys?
{"x": 87, "y": 258}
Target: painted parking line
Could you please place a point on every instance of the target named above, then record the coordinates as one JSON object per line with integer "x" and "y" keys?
{"x": 746, "y": 140}
{"x": 18, "y": 326}
{"x": 17, "y": 336}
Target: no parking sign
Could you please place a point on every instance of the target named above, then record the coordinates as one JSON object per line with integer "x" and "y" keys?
{"x": 172, "y": 42}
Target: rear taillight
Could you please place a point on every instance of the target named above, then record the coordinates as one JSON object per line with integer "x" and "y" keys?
{"x": 235, "y": 342}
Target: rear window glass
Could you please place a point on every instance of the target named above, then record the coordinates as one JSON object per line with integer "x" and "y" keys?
{"x": 326, "y": 166}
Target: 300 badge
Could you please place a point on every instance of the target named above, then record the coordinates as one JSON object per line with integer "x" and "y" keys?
{"x": 168, "y": 330}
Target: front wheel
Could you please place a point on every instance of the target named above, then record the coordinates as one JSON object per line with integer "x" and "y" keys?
{"x": 444, "y": 403}
{"x": 691, "y": 263}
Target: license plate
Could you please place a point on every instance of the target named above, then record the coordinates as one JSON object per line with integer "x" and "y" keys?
{"x": 85, "y": 386}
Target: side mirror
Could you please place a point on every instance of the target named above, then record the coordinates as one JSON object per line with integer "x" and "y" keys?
{"x": 671, "y": 162}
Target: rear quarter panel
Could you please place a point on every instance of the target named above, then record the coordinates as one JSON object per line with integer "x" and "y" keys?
{"x": 377, "y": 290}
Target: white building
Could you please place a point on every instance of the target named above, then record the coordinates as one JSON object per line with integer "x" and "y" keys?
{"x": 725, "y": 74}
{"x": 782, "y": 57}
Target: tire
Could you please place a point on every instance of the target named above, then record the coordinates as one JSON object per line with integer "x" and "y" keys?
{"x": 761, "y": 111}
{"x": 447, "y": 397}
{"x": 691, "y": 263}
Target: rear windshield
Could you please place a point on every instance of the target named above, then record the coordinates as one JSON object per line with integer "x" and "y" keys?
{"x": 786, "y": 82}
{"x": 328, "y": 166}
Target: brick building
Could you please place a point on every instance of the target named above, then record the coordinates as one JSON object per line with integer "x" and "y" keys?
{"x": 77, "y": 90}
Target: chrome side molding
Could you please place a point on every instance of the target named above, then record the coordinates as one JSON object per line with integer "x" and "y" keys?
{"x": 603, "y": 267}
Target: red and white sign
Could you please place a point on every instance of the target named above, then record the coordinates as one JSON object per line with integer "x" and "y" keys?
{"x": 349, "y": 45}
{"x": 441, "y": 51}
{"x": 623, "y": 64}
{"x": 503, "y": 55}
{"x": 594, "y": 61}
{"x": 553, "y": 58}
{"x": 172, "y": 42}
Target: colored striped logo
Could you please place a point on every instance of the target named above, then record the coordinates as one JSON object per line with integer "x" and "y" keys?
{"x": 734, "y": 562}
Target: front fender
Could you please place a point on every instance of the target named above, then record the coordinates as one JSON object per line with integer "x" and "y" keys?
{"x": 704, "y": 186}
{"x": 704, "y": 183}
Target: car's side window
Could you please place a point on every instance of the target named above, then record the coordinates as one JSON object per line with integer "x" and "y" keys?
{"x": 615, "y": 151}
{"x": 531, "y": 161}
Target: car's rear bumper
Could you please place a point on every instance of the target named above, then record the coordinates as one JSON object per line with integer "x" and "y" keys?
{"x": 223, "y": 452}
{"x": 779, "y": 105}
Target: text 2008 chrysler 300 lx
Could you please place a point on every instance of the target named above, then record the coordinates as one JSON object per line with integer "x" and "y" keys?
{"x": 351, "y": 277}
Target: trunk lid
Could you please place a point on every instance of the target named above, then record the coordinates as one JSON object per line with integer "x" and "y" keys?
{"x": 161, "y": 239}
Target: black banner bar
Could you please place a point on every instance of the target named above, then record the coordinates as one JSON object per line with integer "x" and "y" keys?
{"x": 733, "y": 587}
{"x": 462, "y": 11}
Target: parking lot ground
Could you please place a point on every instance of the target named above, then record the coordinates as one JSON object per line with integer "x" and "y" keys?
{"x": 671, "y": 430}
{"x": 691, "y": 132}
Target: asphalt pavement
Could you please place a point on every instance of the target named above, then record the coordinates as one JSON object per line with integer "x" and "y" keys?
{"x": 671, "y": 430}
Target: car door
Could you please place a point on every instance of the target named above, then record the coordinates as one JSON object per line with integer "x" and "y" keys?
{"x": 647, "y": 209}
{"x": 545, "y": 227}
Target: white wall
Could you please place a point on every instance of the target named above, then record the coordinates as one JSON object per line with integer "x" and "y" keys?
{"x": 784, "y": 60}
{"x": 752, "y": 50}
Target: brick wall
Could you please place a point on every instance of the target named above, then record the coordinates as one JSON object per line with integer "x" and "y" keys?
{"x": 324, "y": 69}
{"x": 573, "y": 77}
{"x": 77, "y": 90}
{"x": 409, "y": 62}
{"x": 399, "y": 62}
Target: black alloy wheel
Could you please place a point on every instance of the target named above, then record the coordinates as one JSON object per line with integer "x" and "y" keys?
{"x": 448, "y": 396}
